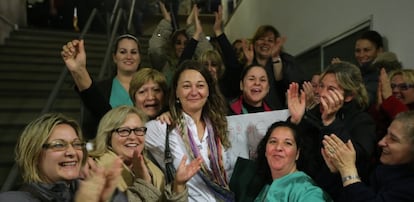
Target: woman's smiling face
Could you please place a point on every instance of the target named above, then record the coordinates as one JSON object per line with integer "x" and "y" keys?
{"x": 125, "y": 146}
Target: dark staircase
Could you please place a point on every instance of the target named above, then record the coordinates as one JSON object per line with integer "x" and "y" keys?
{"x": 30, "y": 65}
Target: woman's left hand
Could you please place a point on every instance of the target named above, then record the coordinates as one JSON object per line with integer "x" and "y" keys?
{"x": 278, "y": 46}
{"x": 342, "y": 155}
{"x": 217, "y": 22}
{"x": 186, "y": 172}
{"x": 331, "y": 103}
{"x": 197, "y": 24}
{"x": 139, "y": 167}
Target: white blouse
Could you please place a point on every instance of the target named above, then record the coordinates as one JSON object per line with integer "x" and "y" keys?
{"x": 155, "y": 144}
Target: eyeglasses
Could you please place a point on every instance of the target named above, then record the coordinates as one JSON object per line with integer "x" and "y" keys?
{"x": 62, "y": 145}
{"x": 402, "y": 86}
{"x": 125, "y": 132}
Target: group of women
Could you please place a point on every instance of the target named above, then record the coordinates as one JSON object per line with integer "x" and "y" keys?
{"x": 321, "y": 153}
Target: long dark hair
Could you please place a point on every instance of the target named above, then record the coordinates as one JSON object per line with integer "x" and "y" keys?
{"x": 215, "y": 107}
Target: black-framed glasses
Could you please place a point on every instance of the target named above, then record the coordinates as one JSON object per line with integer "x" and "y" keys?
{"x": 62, "y": 145}
{"x": 125, "y": 132}
{"x": 402, "y": 86}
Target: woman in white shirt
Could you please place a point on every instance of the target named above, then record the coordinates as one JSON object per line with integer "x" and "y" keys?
{"x": 199, "y": 128}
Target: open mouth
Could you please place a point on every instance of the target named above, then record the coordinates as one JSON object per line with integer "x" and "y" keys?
{"x": 256, "y": 90}
{"x": 151, "y": 105}
{"x": 132, "y": 145}
{"x": 68, "y": 163}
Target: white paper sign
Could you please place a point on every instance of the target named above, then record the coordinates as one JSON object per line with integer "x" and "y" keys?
{"x": 246, "y": 131}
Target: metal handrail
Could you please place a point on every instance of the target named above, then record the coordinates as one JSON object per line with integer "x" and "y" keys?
{"x": 119, "y": 12}
{"x": 131, "y": 14}
{"x": 104, "y": 67}
{"x": 8, "y": 22}
{"x": 11, "y": 178}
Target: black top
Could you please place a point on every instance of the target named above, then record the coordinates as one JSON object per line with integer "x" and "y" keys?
{"x": 351, "y": 122}
{"x": 387, "y": 183}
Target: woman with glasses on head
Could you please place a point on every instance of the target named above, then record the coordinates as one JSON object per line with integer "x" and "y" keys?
{"x": 50, "y": 153}
{"x": 121, "y": 132}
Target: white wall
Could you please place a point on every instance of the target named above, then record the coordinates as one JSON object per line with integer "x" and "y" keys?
{"x": 307, "y": 23}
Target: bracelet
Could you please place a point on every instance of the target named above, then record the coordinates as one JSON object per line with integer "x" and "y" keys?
{"x": 276, "y": 61}
{"x": 350, "y": 177}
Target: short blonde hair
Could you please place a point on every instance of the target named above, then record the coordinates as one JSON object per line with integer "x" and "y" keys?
{"x": 110, "y": 121}
{"x": 407, "y": 74}
{"x": 144, "y": 75}
{"x": 30, "y": 144}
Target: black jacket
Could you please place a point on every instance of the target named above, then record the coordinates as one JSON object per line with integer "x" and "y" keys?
{"x": 351, "y": 122}
{"x": 387, "y": 183}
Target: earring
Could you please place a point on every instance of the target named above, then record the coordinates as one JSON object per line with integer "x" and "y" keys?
{"x": 177, "y": 101}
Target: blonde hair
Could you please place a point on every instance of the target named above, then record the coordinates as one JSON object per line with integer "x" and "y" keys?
{"x": 407, "y": 75}
{"x": 144, "y": 75}
{"x": 349, "y": 78}
{"x": 214, "y": 58}
{"x": 110, "y": 121}
{"x": 29, "y": 147}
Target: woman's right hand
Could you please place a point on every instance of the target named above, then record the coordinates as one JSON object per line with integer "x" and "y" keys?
{"x": 335, "y": 60}
{"x": 386, "y": 90}
{"x": 296, "y": 103}
{"x": 74, "y": 56}
{"x": 165, "y": 118}
{"x": 248, "y": 51}
{"x": 100, "y": 183}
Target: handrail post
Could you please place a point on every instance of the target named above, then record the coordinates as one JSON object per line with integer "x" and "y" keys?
{"x": 8, "y": 22}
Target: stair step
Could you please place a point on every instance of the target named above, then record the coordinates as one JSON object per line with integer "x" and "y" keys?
{"x": 12, "y": 103}
{"x": 41, "y": 51}
{"x": 23, "y": 117}
{"x": 56, "y": 33}
{"x": 54, "y": 46}
{"x": 39, "y": 68}
{"x": 10, "y": 133}
{"x": 42, "y": 60}
{"x": 34, "y": 93}
{"x": 30, "y": 64}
